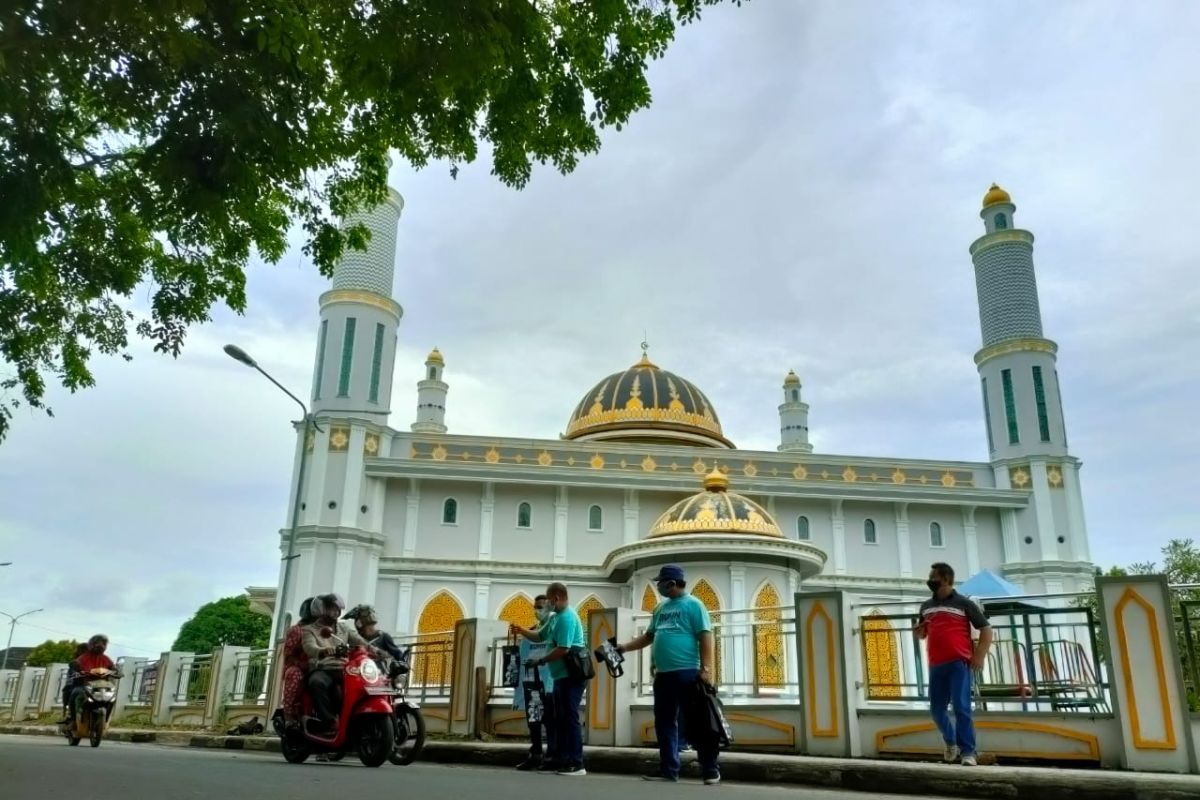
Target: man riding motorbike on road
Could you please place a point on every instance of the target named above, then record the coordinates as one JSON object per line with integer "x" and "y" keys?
{"x": 91, "y": 659}
{"x": 326, "y": 642}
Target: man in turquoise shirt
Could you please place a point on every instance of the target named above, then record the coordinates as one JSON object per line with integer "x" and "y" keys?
{"x": 563, "y": 633}
{"x": 682, "y": 646}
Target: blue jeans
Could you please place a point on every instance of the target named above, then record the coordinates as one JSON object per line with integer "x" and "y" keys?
{"x": 950, "y": 685}
{"x": 670, "y": 689}
{"x": 568, "y": 739}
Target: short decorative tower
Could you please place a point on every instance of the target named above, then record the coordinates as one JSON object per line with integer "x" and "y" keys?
{"x": 793, "y": 418}
{"x": 1026, "y": 431}
{"x": 431, "y": 396}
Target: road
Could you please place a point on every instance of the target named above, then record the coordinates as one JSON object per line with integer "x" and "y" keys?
{"x": 34, "y": 768}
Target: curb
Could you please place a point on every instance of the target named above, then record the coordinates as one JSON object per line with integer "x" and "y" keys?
{"x": 854, "y": 775}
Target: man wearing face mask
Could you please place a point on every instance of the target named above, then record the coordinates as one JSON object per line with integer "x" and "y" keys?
{"x": 946, "y": 622}
{"x": 531, "y": 650}
{"x": 681, "y": 639}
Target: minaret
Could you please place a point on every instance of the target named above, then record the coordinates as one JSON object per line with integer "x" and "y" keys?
{"x": 431, "y": 396}
{"x": 1027, "y": 437}
{"x": 356, "y": 343}
{"x": 793, "y": 418}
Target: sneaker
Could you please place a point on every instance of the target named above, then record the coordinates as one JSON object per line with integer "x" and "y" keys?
{"x": 660, "y": 776}
{"x": 529, "y": 765}
{"x": 546, "y": 767}
{"x": 951, "y": 754}
{"x": 712, "y": 780}
{"x": 970, "y": 760}
{"x": 572, "y": 771}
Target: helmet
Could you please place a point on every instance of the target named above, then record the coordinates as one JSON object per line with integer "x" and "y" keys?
{"x": 362, "y": 615}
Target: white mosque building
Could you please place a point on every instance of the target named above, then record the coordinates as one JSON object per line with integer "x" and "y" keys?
{"x": 430, "y": 526}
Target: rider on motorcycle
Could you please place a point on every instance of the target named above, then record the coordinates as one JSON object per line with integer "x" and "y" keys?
{"x": 326, "y": 643}
{"x": 91, "y": 659}
{"x": 367, "y": 625}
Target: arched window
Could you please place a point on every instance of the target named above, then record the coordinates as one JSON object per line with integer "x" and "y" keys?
{"x": 435, "y": 636}
{"x": 882, "y": 656}
{"x": 935, "y": 535}
{"x": 869, "y": 535}
{"x": 595, "y": 518}
{"x": 649, "y": 599}
{"x": 1001, "y": 222}
{"x": 768, "y": 638}
{"x": 450, "y": 511}
{"x": 524, "y": 515}
{"x": 518, "y": 610}
{"x": 795, "y": 395}
{"x": 802, "y": 531}
{"x": 433, "y": 373}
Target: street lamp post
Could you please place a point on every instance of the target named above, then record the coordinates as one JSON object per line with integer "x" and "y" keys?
{"x": 12, "y": 626}
{"x": 237, "y": 353}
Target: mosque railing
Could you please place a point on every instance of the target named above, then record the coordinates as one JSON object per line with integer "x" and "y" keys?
{"x": 195, "y": 676}
{"x": 1187, "y": 628}
{"x": 431, "y": 664}
{"x": 8, "y": 690}
{"x": 37, "y": 688}
{"x": 141, "y": 683}
{"x": 755, "y": 653}
{"x": 251, "y": 672}
{"x": 1042, "y": 658}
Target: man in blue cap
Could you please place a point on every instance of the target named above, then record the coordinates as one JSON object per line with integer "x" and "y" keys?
{"x": 681, "y": 639}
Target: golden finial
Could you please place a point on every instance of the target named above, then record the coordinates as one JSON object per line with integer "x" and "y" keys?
{"x": 646, "y": 362}
{"x": 995, "y": 195}
{"x": 716, "y": 481}
{"x": 792, "y": 378}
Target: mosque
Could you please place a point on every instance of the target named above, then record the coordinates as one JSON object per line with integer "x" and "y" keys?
{"x": 431, "y": 527}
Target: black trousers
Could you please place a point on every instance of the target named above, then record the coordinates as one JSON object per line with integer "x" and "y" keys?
{"x": 323, "y": 685}
{"x": 543, "y": 730}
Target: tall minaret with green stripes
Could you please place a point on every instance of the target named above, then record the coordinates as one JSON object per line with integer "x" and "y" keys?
{"x": 1045, "y": 542}
{"x": 356, "y": 342}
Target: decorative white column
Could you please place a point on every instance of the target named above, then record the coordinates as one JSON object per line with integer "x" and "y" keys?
{"x": 351, "y": 516}
{"x": 1077, "y": 523}
{"x": 631, "y": 510}
{"x": 903, "y": 541}
{"x": 789, "y": 654}
{"x": 1044, "y": 509}
{"x": 487, "y": 513}
{"x": 839, "y": 538}
{"x": 560, "y": 526}
{"x": 738, "y": 627}
{"x": 305, "y": 569}
{"x": 412, "y": 519}
{"x": 372, "y": 582}
{"x": 314, "y": 491}
{"x": 627, "y": 596}
{"x": 483, "y": 591}
{"x": 771, "y": 506}
{"x": 1012, "y": 537}
{"x": 342, "y": 566}
{"x": 404, "y": 621}
{"x": 971, "y": 540}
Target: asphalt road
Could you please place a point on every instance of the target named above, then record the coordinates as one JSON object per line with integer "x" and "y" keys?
{"x": 34, "y": 768}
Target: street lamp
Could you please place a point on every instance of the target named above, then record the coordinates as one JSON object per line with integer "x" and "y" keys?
{"x": 12, "y": 626}
{"x": 310, "y": 423}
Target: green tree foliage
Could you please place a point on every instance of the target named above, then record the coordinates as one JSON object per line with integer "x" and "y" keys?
{"x": 159, "y": 143}
{"x": 52, "y": 652}
{"x": 225, "y": 621}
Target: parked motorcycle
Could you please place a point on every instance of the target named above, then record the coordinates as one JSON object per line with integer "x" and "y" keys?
{"x": 365, "y": 722}
{"x": 408, "y": 722}
{"x": 95, "y": 712}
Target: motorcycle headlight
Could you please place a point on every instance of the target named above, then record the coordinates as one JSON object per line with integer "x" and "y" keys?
{"x": 370, "y": 672}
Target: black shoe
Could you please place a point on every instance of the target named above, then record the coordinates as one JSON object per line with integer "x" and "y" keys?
{"x": 547, "y": 767}
{"x": 529, "y": 765}
{"x": 660, "y": 776}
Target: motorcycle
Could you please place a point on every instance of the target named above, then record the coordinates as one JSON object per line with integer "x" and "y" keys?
{"x": 365, "y": 721}
{"x": 408, "y": 722}
{"x": 95, "y": 711}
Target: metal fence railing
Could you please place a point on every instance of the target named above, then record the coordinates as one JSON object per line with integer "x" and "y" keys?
{"x": 251, "y": 673}
{"x": 8, "y": 691}
{"x": 195, "y": 675}
{"x": 1189, "y": 634}
{"x": 37, "y": 688}
{"x": 755, "y": 653}
{"x": 1041, "y": 659}
{"x": 432, "y": 664}
{"x": 142, "y": 679}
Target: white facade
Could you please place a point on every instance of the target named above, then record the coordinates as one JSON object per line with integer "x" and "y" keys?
{"x": 397, "y": 518}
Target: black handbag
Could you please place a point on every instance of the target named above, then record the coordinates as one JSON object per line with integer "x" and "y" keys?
{"x": 535, "y": 695}
{"x": 579, "y": 664}
{"x": 704, "y": 717}
{"x": 510, "y": 664}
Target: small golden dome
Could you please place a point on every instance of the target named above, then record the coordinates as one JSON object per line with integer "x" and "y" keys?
{"x": 792, "y": 378}
{"x": 995, "y": 195}
{"x": 715, "y": 511}
{"x": 435, "y": 357}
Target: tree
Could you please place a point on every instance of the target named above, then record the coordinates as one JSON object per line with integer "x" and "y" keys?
{"x": 225, "y": 621}
{"x": 161, "y": 143}
{"x": 52, "y": 652}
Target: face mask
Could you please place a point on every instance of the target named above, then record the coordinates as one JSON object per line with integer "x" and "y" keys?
{"x": 665, "y": 587}
{"x": 934, "y": 586}
{"x": 542, "y": 613}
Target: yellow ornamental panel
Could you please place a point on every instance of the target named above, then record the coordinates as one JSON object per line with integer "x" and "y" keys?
{"x": 519, "y": 611}
{"x": 704, "y": 592}
{"x": 768, "y": 643}
{"x": 592, "y": 603}
{"x": 649, "y": 599}
{"x": 435, "y": 640}
{"x": 882, "y": 659}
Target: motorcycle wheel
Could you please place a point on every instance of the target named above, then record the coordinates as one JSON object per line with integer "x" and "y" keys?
{"x": 376, "y": 739}
{"x": 409, "y": 747}
{"x": 294, "y": 748}
{"x": 96, "y": 735}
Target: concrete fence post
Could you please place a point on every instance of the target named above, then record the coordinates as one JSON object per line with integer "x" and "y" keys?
{"x": 56, "y": 676}
{"x": 1148, "y": 692}
{"x": 825, "y": 653}
{"x": 221, "y": 680}
{"x": 166, "y": 684}
{"x": 609, "y": 720}
{"x": 472, "y": 649}
{"x": 23, "y": 697}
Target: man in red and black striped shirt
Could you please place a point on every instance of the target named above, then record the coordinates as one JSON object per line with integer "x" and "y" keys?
{"x": 946, "y": 622}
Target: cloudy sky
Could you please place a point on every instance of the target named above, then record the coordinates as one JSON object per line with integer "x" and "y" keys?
{"x": 801, "y": 195}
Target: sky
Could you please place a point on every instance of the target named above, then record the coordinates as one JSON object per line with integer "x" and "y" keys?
{"x": 800, "y": 195}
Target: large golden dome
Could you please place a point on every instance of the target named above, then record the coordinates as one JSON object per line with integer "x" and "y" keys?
{"x": 647, "y": 404}
{"x": 716, "y": 510}
{"x": 995, "y": 195}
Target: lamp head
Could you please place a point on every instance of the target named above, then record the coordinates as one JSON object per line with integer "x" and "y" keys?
{"x": 235, "y": 352}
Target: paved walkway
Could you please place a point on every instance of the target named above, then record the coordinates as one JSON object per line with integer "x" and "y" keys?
{"x": 860, "y": 775}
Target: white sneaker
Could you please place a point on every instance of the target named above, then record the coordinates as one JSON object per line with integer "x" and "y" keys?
{"x": 970, "y": 761}
{"x": 951, "y": 754}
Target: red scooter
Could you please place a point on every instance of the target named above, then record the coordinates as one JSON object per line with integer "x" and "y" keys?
{"x": 365, "y": 721}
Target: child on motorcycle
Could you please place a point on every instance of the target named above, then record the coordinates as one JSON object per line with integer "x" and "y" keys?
{"x": 367, "y": 624}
